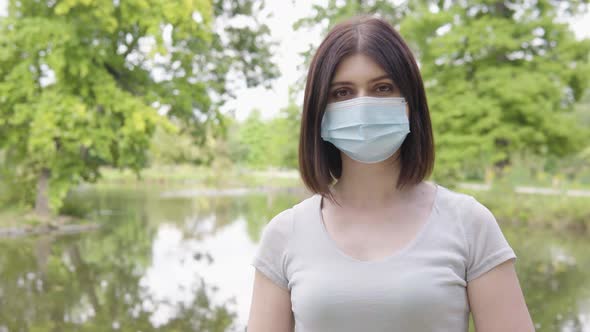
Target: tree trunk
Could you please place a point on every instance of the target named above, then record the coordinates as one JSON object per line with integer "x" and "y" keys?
{"x": 42, "y": 201}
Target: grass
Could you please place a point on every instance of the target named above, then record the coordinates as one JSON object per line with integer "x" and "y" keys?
{"x": 197, "y": 176}
{"x": 553, "y": 211}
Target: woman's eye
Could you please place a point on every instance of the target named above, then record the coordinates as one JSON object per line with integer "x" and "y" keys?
{"x": 384, "y": 88}
{"x": 337, "y": 93}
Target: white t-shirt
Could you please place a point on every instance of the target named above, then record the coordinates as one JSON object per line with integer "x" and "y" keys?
{"x": 420, "y": 288}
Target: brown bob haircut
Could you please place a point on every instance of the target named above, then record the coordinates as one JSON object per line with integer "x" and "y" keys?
{"x": 319, "y": 161}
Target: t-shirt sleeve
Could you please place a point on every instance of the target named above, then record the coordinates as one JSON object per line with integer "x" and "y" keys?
{"x": 487, "y": 246}
{"x": 270, "y": 256}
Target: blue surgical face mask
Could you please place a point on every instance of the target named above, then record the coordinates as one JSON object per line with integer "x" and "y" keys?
{"x": 367, "y": 129}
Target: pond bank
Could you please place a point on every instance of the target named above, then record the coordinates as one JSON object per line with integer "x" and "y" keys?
{"x": 15, "y": 232}
{"x": 15, "y": 224}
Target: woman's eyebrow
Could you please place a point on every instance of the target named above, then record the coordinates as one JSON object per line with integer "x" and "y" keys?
{"x": 371, "y": 80}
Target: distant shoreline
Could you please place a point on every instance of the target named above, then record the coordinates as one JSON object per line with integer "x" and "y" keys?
{"x": 512, "y": 207}
{"x": 28, "y": 230}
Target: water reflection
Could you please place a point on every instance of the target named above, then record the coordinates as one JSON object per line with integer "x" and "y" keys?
{"x": 555, "y": 276}
{"x": 182, "y": 264}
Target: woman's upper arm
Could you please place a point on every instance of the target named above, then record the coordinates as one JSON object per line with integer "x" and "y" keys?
{"x": 497, "y": 302}
{"x": 495, "y": 297}
{"x": 270, "y": 309}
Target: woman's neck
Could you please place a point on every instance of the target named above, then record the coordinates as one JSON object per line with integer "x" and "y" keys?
{"x": 366, "y": 186}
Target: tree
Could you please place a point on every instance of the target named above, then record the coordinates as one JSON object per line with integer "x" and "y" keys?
{"x": 285, "y": 130}
{"x": 254, "y": 136}
{"x": 83, "y": 83}
{"x": 501, "y": 77}
{"x": 260, "y": 143}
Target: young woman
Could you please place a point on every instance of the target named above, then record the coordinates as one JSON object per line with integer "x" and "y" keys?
{"x": 376, "y": 247}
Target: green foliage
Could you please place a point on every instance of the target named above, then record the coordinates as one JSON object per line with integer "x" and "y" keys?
{"x": 257, "y": 143}
{"x": 81, "y": 80}
{"x": 286, "y": 140}
{"x": 16, "y": 183}
{"x": 169, "y": 148}
{"x": 255, "y": 136}
{"x": 501, "y": 78}
{"x": 499, "y": 81}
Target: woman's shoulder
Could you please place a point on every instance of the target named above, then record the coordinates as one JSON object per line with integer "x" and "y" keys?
{"x": 464, "y": 207}
{"x": 282, "y": 222}
{"x": 274, "y": 246}
{"x": 485, "y": 244}
{"x": 453, "y": 198}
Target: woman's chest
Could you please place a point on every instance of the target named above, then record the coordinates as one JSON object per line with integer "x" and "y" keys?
{"x": 330, "y": 291}
{"x": 409, "y": 281}
{"x": 331, "y": 296}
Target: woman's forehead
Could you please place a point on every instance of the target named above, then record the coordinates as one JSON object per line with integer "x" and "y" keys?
{"x": 358, "y": 68}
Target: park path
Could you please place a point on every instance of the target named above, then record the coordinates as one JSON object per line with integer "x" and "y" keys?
{"x": 532, "y": 190}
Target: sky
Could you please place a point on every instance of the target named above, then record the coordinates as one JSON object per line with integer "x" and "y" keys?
{"x": 270, "y": 101}
{"x": 282, "y": 15}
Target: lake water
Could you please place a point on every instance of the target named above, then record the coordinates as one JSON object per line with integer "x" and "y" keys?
{"x": 173, "y": 261}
